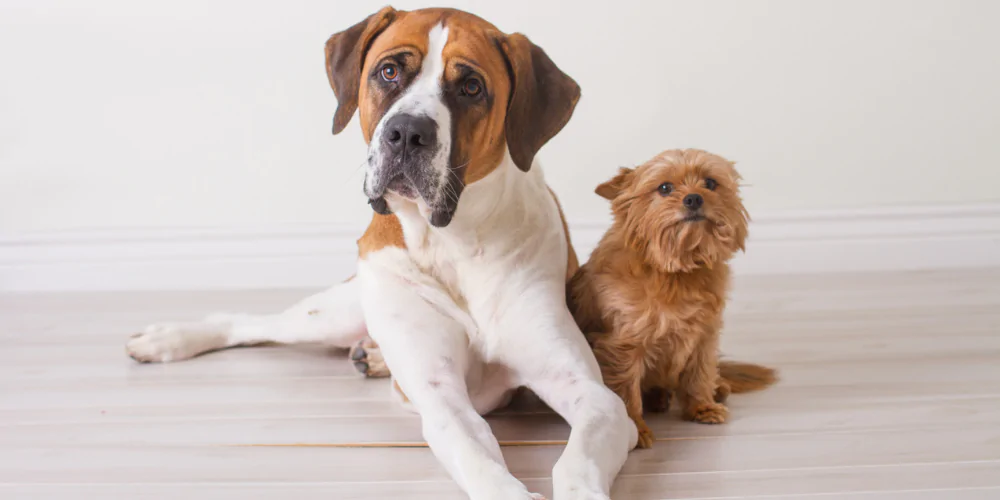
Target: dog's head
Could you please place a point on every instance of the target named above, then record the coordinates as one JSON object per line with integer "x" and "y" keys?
{"x": 681, "y": 210}
{"x": 442, "y": 97}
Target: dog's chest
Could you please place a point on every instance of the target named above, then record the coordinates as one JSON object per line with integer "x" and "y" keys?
{"x": 484, "y": 274}
{"x": 444, "y": 262}
{"x": 655, "y": 309}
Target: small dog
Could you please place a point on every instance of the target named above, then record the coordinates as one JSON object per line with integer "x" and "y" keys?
{"x": 651, "y": 297}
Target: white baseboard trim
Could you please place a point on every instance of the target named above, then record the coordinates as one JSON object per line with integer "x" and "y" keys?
{"x": 881, "y": 239}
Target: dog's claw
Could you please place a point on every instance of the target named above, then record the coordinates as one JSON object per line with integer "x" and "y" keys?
{"x": 367, "y": 359}
{"x": 358, "y": 354}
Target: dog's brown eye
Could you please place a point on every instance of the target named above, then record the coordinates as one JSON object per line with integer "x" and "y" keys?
{"x": 711, "y": 184}
{"x": 665, "y": 188}
{"x": 390, "y": 72}
{"x": 472, "y": 87}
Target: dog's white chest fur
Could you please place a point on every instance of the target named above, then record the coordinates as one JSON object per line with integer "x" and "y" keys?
{"x": 507, "y": 236}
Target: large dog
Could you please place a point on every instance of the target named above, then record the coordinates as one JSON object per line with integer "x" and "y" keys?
{"x": 462, "y": 272}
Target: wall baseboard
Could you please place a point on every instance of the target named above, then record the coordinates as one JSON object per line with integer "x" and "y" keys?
{"x": 883, "y": 239}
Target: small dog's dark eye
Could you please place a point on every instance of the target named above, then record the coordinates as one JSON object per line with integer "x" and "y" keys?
{"x": 390, "y": 72}
{"x": 472, "y": 87}
{"x": 711, "y": 184}
{"x": 665, "y": 188}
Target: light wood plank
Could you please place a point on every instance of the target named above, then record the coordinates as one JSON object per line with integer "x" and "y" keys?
{"x": 890, "y": 389}
{"x": 935, "y": 480}
{"x": 204, "y": 457}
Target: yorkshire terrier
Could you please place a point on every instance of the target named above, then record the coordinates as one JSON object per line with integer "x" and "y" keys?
{"x": 651, "y": 296}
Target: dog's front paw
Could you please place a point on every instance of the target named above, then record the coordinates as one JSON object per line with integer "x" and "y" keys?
{"x": 646, "y": 437}
{"x": 710, "y": 413}
{"x": 166, "y": 342}
{"x": 367, "y": 359}
{"x": 512, "y": 489}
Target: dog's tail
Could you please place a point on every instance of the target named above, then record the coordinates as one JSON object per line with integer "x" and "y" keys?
{"x": 746, "y": 377}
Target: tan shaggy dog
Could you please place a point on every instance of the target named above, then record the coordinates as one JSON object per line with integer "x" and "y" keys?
{"x": 652, "y": 294}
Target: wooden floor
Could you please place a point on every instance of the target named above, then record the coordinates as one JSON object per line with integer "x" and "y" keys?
{"x": 890, "y": 389}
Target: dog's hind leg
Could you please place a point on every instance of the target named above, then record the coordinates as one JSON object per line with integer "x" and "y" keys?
{"x": 333, "y": 317}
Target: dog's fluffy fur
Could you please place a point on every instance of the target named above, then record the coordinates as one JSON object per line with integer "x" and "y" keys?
{"x": 652, "y": 294}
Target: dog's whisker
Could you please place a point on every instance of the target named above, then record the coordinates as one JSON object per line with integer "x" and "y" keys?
{"x": 453, "y": 172}
{"x": 353, "y": 173}
{"x": 450, "y": 192}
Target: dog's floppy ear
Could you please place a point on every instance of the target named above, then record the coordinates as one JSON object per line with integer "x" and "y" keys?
{"x": 541, "y": 101}
{"x": 345, "y": 55}
{"x": 612, "y": 188}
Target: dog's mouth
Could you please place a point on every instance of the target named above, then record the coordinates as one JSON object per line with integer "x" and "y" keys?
{"x": 439, "y": 215}
{"x": 402, "y": 187}
{"x": 694, "y": 218}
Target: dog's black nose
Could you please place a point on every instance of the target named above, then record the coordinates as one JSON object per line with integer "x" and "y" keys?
{"x": 409, "y": 133}
{"x": 693, "y": 201}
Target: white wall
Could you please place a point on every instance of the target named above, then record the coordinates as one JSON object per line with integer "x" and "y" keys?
{"x": 196, "y": 113}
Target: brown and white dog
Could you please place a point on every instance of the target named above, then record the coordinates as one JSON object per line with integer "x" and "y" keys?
{"x": 462, "y": 272}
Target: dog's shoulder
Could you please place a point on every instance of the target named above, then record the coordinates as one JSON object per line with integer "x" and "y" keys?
{"x": 573, "y": 263}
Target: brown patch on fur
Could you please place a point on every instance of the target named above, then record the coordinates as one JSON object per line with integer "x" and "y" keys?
{"x": 407, "y": 43}
{"x": 652, "y": 294}
{"x": 478, "y": 144}
{"x": 573, "y": 263}
{"x": 345, "y": 53}
{"x": 383, "y": 231}
{"x": 542, "y": 102}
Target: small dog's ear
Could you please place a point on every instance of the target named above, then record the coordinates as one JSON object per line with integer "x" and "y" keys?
{"x": 611, "y": 189}
{"x": 542, "y": 98}
{"x": 345, "y": 56}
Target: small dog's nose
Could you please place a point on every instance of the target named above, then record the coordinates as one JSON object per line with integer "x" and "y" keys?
{"x": 693, "y": 201}
{"x": 409, "y": 133}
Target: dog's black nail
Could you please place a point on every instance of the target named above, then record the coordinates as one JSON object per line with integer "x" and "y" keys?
{"x": 358, "y": 354}
{"x": 142, "y": 361}
{"x": 361, "y": 367}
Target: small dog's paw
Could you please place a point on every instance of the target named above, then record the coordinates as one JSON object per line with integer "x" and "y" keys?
{"x": 646, "y": 437}
{"x": 367, "y": 359}
{"x": 166, "y": 342}
{"x": 711, "y": 413}
{"x": 537, "y": 496}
